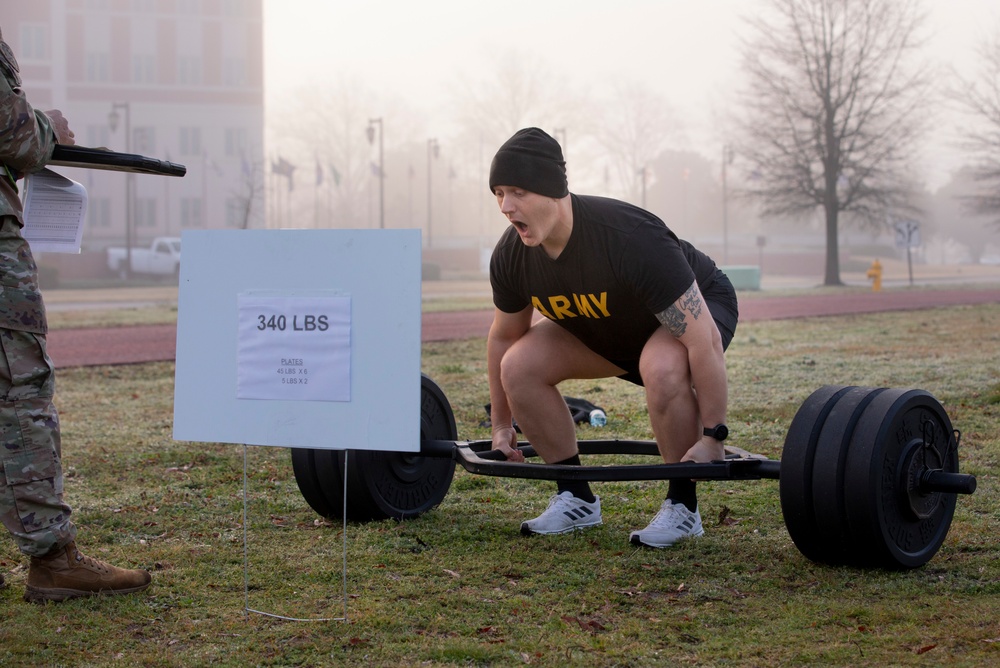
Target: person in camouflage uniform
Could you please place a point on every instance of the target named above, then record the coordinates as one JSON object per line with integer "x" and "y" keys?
{"x": 31, "y": 479}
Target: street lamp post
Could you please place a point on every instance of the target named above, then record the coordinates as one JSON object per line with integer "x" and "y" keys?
{"x": 381, "y": 166}
{"x": 560, "y": 133}
{"x": 113, "y": 118}
{"x": 727, "y": 159}
{"x": 432, "y": 152}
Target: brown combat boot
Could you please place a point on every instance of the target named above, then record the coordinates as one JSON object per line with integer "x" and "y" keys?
{"x": 65, "y": 573}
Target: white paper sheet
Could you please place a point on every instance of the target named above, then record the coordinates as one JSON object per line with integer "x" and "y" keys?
{"x": 294, "y": 348}
{"x": 55, "y": 209}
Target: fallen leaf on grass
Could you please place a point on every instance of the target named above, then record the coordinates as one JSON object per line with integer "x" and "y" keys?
{"x": 726, "y": 517}
{"x": 590, "y": 626}
{"x": 926, "y": 648}
{"x": 451, "y": 573}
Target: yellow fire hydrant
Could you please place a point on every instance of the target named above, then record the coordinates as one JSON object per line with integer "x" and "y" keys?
{"x": 875, "y": 274}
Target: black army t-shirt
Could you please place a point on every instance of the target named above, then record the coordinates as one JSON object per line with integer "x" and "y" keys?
{"x": 621, "y": 265}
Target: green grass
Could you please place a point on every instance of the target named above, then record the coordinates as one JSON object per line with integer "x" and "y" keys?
{"x": 459, "y": 586}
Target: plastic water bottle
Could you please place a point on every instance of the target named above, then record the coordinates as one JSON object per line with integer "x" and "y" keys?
{"x": 598, "y": 418}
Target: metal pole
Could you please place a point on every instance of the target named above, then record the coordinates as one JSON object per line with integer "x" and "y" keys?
{"x": 432, "y": 150}
{"x": 129, "y": 179}
{"x": 727, "y": 157}
{"x": 372, "y": 122}
{"x": 381, "y": 176}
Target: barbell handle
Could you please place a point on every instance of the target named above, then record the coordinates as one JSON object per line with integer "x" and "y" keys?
{"x": 942, "y": 481}
{"x": 497, "y": 455}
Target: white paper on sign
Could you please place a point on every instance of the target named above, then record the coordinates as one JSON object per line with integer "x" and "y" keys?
{"x": 294, "y": 348}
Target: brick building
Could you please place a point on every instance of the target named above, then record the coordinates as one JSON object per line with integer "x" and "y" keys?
{"x": 181, "y": 80}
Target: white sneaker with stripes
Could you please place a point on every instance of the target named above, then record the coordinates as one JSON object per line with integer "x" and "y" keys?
{"x": 674, "y": 522}
{"x": 564, "y": 514}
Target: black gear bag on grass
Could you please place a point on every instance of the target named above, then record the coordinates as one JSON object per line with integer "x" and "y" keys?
{"x": 580, "y": 409}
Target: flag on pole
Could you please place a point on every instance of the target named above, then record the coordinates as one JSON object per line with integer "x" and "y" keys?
{"x": 284, "y": 168}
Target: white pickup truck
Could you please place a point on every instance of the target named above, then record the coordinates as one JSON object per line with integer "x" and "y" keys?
{"x": 162, "y": 258}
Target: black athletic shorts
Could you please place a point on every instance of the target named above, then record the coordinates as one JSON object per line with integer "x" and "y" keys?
{"x": 720, "y": 296}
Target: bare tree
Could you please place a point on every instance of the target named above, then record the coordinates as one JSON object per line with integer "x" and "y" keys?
{"x": 323, "y": 129}
{"x": 979, "y": 97}
{"x": 250, "y": 193}
{"x": 519, "y": 93}
{"x": 832, "y": 110}
{"x": 637, "y": 126}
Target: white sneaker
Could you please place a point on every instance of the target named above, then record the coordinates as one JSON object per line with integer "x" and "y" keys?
{"x": 565, "y": 513}
{"x": 674, "y": 522}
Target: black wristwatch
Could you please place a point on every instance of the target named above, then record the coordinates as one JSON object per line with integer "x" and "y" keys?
{"x": 719, "y": 432}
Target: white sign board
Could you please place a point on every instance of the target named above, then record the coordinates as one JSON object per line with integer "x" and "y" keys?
{"x": 299, "y": 338}
{"x": 907, "y": 234}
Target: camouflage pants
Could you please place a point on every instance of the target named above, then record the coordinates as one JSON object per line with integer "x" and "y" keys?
{"x": 31, "y": 479}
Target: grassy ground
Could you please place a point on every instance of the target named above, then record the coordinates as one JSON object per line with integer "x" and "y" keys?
{"x": 460, "y": 586}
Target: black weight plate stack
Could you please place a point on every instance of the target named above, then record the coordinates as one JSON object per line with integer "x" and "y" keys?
{"x": 797, "y": 466}
{"x": 308, "y": 479}
{"x": 831, "y": 531}
{"x": 893, "y": 525}
{"x": 381, "y": 484}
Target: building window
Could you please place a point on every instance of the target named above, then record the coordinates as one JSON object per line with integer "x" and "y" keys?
{"x": 34, "y": 42}
{"x": 191, "y": 212}
{"x": 145, "y": 212}
{"x": 99, "y": 212}
{"x": 235, "y": 142}
{"x": 144, "y": 140}
{"x": 189, "y": 70}
{"x": 143, "y": 69}
{"x": 233, "y": 72}
{"x": 233, "y": 7}
{"x": 98, "y": 67}
{"x": 190, "y": 143}
{"x": 98, "y": 136}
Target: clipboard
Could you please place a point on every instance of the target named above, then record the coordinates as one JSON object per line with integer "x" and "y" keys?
{"x": 100, "y": 158}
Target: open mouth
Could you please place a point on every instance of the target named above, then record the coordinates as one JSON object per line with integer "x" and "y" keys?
{"x": 521, "y": 227}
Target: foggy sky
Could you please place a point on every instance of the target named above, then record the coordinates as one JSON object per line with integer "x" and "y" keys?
{"x": 686, "y": 52}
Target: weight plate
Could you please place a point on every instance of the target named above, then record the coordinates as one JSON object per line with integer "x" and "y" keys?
{"x": 890, "y": 529}
{"x": 304, "y": 468}
{"x": 381, "y": 484}
{"x": 401, "y": 485}
{"x": 795, "y": 482}
{"x": 831, "y": 532}
{"x": 330, "y": 468}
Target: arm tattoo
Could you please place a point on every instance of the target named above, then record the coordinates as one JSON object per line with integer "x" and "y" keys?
{"x": 674, "y": 317}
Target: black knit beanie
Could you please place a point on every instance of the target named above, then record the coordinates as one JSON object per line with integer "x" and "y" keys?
{"x": 532, "y": 160}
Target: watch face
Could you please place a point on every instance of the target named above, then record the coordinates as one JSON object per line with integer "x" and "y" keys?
{"x": 719, "y": 432}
